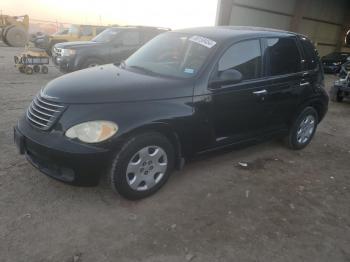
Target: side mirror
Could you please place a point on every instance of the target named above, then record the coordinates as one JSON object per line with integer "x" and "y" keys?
{"x": 227, "y": 77}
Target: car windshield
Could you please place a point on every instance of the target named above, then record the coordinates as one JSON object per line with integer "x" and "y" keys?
{"x": 173, "y": 55}
{"x": 106, "y": 35}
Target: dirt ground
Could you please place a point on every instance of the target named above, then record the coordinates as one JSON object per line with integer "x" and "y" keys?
{"x": 285, "y": 206}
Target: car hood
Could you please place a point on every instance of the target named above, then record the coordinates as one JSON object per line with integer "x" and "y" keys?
{"x": 109, "y": 83}
{"x": 78, "y": 44}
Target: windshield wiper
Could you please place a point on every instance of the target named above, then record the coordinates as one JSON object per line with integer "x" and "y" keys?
{"x": 143, "y": 69}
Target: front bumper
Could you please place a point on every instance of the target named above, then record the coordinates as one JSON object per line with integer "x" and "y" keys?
{"x": 60, "y": 158}
{"x": 64, "y": 64}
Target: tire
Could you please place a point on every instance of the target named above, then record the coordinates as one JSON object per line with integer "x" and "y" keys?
{"x": 28, "y": 70}
{"x": 21, "y": 69}
{"x": 3, "y": 34}
{"x": 293, "y": 140}
{"x": 149, "y": 175}
{"x": 44, "y": 69}
{"x": 91, "y": 62}
{"x": 16, "y": 36}
{"x": 336, "y": 95}
{"x": 36, "y": 69}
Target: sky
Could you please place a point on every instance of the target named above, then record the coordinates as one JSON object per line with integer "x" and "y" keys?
{"x": 165, "y": 13}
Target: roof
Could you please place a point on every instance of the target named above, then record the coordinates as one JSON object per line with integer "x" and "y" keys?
{"x": 225, "y": 32}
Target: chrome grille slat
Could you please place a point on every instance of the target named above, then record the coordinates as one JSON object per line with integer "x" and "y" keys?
{"x": 31, "y": 119}
{"x": 43, "y": 113}
{"x": 47, "y": 103}
{"x": 48, "y": 109}
{"x": 39, "y": 117}
{"x": 40, "y": 112}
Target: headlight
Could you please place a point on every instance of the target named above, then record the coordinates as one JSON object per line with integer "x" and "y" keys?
{"x": 337, "y": 63}
{"x": 93, "y": 131}
{"x": 68, "y": 52}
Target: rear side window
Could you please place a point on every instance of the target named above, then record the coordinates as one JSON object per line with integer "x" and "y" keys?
{"x": 149, "y": 34}
{"x": 131, "y": 38}
{"x": 245, "y": 57}
{"x": 310, "y": 52}
{"x": 282, "y": 56}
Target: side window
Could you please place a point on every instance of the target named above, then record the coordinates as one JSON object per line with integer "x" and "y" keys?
{"x": 310, "y": 54}
{"x": 245, "y": 57}
{"x": 86, "y": 30}
{"x": 99, "y": 30}
{"x": 282, "y": 56}
{"x": 148, "y": 35}
{"x": 131, "y": 38}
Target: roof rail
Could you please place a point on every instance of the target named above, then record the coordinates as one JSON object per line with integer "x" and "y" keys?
{"x": 149, "y": 27}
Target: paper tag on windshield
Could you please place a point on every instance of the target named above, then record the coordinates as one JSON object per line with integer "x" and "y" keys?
{"x": 203, "y": 41}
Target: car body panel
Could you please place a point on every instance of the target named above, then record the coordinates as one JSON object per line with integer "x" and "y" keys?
{"x": 200, "y": 117}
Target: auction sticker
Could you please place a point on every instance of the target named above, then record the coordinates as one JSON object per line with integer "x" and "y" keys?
{"x": 203, "y": 41}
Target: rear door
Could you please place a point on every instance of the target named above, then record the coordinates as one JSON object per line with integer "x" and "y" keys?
{"x": 283, "y": 71}
{"x": 126, "y": 43}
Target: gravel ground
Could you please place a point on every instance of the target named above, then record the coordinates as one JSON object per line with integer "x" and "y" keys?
{"x": 285, "y": 206}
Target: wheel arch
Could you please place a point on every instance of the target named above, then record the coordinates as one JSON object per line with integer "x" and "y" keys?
{"x": 316, "y": 104}
{"x": 168, "y": 131}
{"x": 82, "y": 60}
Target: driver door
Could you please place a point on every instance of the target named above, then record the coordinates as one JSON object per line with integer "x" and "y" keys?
{"x": 238, "y": 111}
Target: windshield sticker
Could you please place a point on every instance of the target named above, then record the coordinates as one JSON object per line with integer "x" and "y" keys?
{"x": 203, "y": 41}
{"x": 189, "y": 71}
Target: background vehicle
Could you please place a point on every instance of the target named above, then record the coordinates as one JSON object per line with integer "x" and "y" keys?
{"x": 74, "y": 33}
{"x": 115, "y": 44}
{"x": 333, "y": 61}
{"x": 345, "y": 68}
{"x": 183, "y": 93}
{"x": 341, "y": 89}
{"x": 14, "y": 29}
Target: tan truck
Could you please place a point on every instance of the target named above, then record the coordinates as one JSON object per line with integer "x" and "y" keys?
{"x": 74, "y": 33}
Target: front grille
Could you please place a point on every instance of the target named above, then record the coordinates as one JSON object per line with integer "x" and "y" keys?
{"x": 57, "y": 51}
{"x": 43, "y": 113}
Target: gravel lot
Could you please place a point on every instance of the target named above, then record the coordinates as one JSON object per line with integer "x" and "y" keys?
{"x": 285, "y": 206}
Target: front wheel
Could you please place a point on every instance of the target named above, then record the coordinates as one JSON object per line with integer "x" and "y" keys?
{"x": 303, "y": 129}
{"x": 142, "y": 166}
{"x": 91, "y": 62}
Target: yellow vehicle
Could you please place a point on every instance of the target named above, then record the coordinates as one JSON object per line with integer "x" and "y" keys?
{"x": 74, "y": 33}
{"x": 14, "y": 29}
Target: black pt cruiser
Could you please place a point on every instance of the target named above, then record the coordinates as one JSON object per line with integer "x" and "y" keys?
{"x": 183, "y": 93}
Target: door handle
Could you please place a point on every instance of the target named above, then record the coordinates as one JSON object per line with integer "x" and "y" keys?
{"x": 304, "y": 83}
{"x": 260, "y": 92}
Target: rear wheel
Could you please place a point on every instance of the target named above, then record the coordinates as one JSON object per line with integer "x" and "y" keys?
{"x": 28, "y": 70}
{"x": 36, "y": 69}
{"x": 44, "y": 69}
{"x": 142, "y": 166}
{"x": 303, "y": 129}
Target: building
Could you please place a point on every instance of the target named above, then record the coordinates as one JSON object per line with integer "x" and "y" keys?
{"x": 324, "y": 21}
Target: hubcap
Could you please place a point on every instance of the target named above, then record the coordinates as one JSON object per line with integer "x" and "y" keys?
{"x": 306, "y": 129}
{"x": 146, "y": 168}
